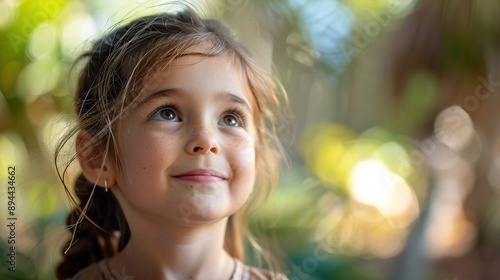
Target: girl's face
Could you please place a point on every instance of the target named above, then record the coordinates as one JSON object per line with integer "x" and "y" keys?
{"x": 188, "y": 148}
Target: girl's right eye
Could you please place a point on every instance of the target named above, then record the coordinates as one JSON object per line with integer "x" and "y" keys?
{"x": 165, "y": 113}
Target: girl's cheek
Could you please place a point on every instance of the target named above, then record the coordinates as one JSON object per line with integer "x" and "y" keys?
{"x": 243, "y": 144}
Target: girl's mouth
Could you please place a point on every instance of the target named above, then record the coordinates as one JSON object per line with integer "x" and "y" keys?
{"x": 201, "y": 175}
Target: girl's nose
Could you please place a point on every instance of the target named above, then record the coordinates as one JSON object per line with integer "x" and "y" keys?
{"x": 203, "y": 141}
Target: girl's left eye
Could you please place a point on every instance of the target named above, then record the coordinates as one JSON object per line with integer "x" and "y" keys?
{"x": 231, "y": 119}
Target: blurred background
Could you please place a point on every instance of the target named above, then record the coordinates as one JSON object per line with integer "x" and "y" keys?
{"x": 393, "y": 138}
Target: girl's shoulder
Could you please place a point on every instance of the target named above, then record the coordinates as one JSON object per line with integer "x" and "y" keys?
{"x": 244, "y": 272}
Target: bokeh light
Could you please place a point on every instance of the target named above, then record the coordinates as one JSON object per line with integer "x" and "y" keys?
{"x": 454, "y": 127}
{"x": 371, "y": 183}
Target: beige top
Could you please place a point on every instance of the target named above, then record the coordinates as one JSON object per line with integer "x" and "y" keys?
{"x": 101, "y": 271}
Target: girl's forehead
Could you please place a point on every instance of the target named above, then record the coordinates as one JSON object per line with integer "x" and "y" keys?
{"x": 226, "y": 70}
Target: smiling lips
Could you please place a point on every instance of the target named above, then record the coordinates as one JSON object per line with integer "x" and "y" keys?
{"x": 201, "y": 175}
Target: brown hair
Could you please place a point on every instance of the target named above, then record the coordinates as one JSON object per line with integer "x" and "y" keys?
{"x": 115, "y": 71}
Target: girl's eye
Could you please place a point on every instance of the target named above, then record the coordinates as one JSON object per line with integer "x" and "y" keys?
{"x": 166, "y": 114}
{"x": 231, "y": 119}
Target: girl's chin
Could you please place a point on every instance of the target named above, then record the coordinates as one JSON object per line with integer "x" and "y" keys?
{"x": 200, "y": 213}
{"x": 192, "y": 219}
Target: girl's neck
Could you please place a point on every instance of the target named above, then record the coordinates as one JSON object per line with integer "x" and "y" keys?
{"x": 176, "y": 253}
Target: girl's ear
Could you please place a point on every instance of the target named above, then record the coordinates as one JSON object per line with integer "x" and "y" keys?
{"x": 95, "y": 167}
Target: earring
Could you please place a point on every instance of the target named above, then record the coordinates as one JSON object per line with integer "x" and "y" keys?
{"x": 106, "y": 185}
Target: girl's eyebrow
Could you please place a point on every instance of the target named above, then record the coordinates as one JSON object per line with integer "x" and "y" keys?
{"x": 175, "y": 91}
{"x": 235, "y": 99}
{"x": 162, "y": 93}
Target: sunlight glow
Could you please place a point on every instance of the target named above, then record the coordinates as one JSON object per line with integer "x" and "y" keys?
{"x": 370, "y": 183}
{"x": 373, "y": 184}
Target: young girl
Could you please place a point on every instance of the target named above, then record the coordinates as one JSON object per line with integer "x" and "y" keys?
{"x": 176, "y": 140}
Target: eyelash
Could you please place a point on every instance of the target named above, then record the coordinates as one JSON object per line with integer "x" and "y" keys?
{"x": 242, "y": 118}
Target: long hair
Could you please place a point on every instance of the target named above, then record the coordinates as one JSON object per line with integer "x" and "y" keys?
{"x": 115, "y": 72}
